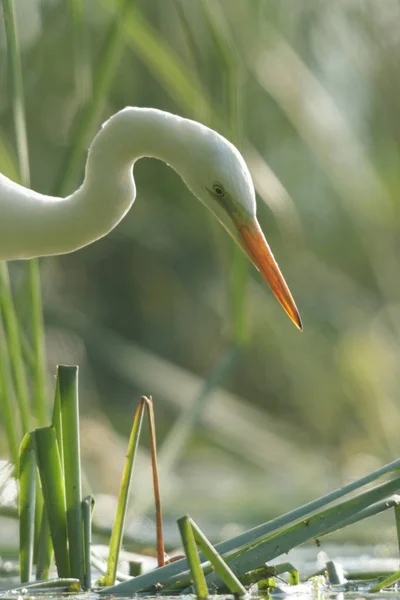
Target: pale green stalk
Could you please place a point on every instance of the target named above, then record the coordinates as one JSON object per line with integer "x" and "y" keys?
{"x": 57, "y": 419}
{"x": 82, "y": 70}
{"x": 45, "y": 549}
{"x": 38, "y": 516}
{"x": 387, "y": 582}
{"x": 87, "y": 512}
{"x": 8, "y": 400}
{"x": 69, "y": 401}
{"x": 41, "y": 408}
{"x": 52, "y": 480}
{"x": 56, "y": 586}
{"x": 8, "y": 161}
{"x": 118, "y": 527}
{"x": 14, "y": 346}
{"x": 45, "y": 544}
{"x": 194, "y": 52}
{"x": 397, "y": 519}
{"x": 14, "y": 61}
{"x": 27, "y": 502}
{"x": 192, "y": 555}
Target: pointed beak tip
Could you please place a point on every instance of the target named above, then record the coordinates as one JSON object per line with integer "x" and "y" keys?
{"x": 298, "y": 322}
{"x": 257, "y": 249}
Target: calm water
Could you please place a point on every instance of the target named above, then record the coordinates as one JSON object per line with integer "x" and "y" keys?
{"x": 307, "y": 560}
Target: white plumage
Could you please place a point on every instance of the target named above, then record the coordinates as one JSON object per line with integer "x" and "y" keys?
{"x": 34, "y": 225}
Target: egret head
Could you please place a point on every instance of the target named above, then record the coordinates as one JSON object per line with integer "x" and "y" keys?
{"x": 218, "y": 175}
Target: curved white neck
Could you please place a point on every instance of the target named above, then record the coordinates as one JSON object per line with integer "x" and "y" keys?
{"x": 47, "y": 225}
{"x": 133, "y": 133}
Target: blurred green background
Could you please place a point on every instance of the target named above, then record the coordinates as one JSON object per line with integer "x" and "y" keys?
{"x": 165, "y": 305}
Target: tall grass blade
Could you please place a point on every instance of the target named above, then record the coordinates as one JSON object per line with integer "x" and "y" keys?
{"x": 45, "y": 549}
{"x": 40, "y": 399}
{"x": 27, "y": 501}
{"x": 15, "y": 69}
{"x": 57, "y": 419}
{"x": 44, "y": 544}
{"x": 88, "y": 120}
{"x": 397, "y": 519}
{"x": 14, "y": 346}
{"x": 156, "y": 54}
{"x": 192, "y": 555}
{"x": 82, "y": 69}
{"x": 87, "y": 511}
{"x": 8, "y": 400}
{"x": 38, "y": 516}
{"x": 69, "y": 400}
{"x": 194, "y": 51}
{"x": 118, "y": 527}
{"x": 52, "y": 480}
{"x": 8, "y": 161}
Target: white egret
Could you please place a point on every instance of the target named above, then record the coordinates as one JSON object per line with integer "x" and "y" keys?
{"x": 34, "y": 225}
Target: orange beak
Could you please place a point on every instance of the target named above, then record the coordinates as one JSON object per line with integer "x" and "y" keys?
{"x": 256, "y": 247}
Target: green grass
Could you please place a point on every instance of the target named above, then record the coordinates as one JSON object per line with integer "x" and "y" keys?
{"x": 228, "y": 565}
{"x": 66, "y": 518}
{"x": 53, "y": 487}
{"x": 71, "y": 463}
{"x": 8, "y": 399}
{"x": 119, "y": 521}
{"x": 27, "y": 503}
{"x": 192, "y": 555}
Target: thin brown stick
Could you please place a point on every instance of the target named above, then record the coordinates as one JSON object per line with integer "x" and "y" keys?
{"x": 156, "y": 486}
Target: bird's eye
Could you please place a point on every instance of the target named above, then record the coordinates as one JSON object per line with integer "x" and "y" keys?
{"x": 218, "y": 190}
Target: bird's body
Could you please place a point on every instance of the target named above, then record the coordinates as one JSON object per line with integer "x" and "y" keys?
{"x": 33, "y": 224}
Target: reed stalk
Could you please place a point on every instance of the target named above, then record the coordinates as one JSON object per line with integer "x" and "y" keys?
{"x": 192, "y": 555}
{"x": 52, "y": 480}
{"x": 26, "y": 503}
{"x": 69, "y": 402}
{"x": 118, "y": 527}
